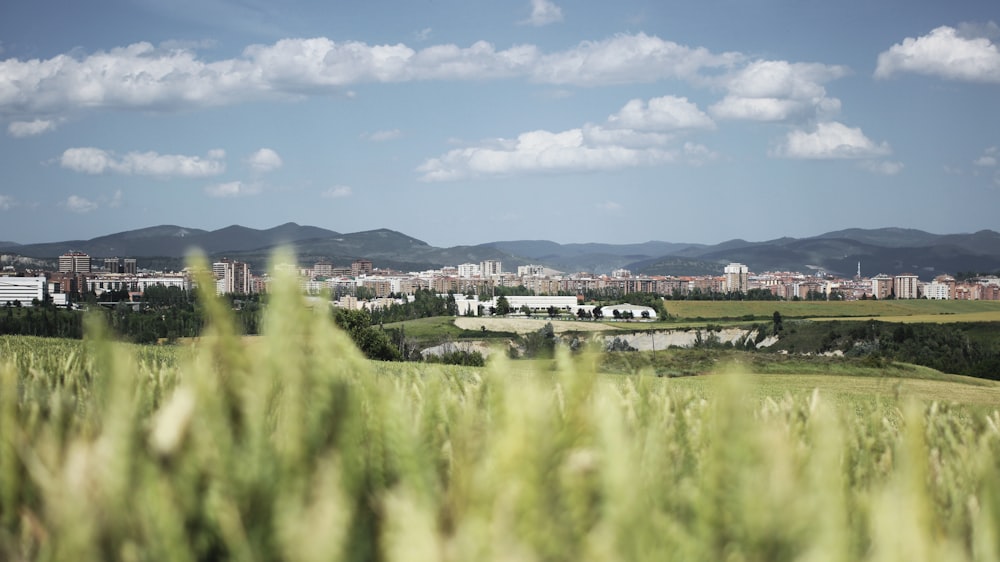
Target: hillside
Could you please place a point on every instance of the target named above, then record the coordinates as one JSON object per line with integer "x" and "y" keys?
{"x": 884, "y": 250}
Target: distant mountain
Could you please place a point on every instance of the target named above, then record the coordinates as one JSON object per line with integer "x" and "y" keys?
{"x": 884, "y": 250}
{"x": 175, "y": 241}
{"x": 885, "y": 237}
{"x": 590, "y": 256}
{"x": 4, "y": 244}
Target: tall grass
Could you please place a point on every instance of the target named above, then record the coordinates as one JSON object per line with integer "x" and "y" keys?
{"x": 294, "y": 447}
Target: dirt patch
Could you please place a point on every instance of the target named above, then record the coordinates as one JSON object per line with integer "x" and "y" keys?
{"x": 528, "y": 325}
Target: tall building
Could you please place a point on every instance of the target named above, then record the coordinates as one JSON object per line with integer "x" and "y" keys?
{"x": 906, "y": 285}
{"x": 74, "y": 262}
{"x": 737, "y": 278}
{"x": 882, "y": 286}
{"x": 113, "y": 265}
{"x": 468, "y": 270}
{"x": 361, "y": 267}
{"x": 490, "y": 268}
{"x": 130, "y": 267}
{"x": 232, "y": 277}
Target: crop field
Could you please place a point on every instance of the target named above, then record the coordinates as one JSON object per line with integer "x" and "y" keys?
{"x": 938, "y": 310}
{"x": 295, "y": 447}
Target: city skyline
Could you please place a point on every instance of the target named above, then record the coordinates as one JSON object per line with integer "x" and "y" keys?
{"x": 469, "y": 122}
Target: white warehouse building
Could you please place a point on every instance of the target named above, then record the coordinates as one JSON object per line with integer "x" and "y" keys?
{"x": 22, "y": 289}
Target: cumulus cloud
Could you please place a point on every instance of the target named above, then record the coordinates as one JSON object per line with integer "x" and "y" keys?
{"x": 89, "y": 160}
{"x": 231, "y": 189}
{"x": 767, "y": 90}
{"x": 946, "y": 53}
{"x": 831, "y": 140}
{"x": 21, "y": 129}
{"x": 337, "y": 192}
{"x": 6, "y": 202}
{"x": 543, "y": 12}
{"x": 540, "y": 151}
{"x": 264, "y": 160}
{"x": 382, "y": 136}
{"x": 77, "y": 204}
{"x": 640, "y": 134}
{"x": 144, "y": 76}
{"x": 661, "y": 114}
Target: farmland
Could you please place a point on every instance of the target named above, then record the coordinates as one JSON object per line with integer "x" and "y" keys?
{"x": 295, "y": 447}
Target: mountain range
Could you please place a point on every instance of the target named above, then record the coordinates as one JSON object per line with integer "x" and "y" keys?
{"x": 884, "y": 250}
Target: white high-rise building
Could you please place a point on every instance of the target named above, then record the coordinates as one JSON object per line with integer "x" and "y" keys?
{"x": 737, "y": 278}
{"x": 232, "y": 277}
{"x": 906, "y": 286}
{"x": 469, "y": 270}
{"x": 491, "y": 268}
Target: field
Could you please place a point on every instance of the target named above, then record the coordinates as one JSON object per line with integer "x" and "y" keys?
{"x": 937, "y": 310}
{"x": 295, "y": 447}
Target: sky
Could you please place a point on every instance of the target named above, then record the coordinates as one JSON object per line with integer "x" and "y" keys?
{"x": 466, "y": 121}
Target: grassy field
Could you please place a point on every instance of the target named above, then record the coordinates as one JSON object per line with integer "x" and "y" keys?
{"x": 938, "y": 310}
{"x": 294, "y": 447}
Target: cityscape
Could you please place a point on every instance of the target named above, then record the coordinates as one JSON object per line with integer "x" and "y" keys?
{"x": 360, "y": 284}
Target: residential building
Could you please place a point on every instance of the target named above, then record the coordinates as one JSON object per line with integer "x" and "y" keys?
{"x": 906, "y": 286}
{"x": 74, "y": 262}
{"x": 232, "y": 277}
{"x": 130, "y": 267}
{"x": 361, "y": 267}
{"x": 882, "y": 286}
{"x": 530, "y": 270}
{"x": 937, "y": 291}
{"x": 491, "y": 268}
{"x": 737, "y": 278}
{"x": 468, "y": 270}
{"x": 113, "y": 265}
{"x": 98, "y": 284}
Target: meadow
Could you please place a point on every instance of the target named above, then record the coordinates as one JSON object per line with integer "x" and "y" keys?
{"x": 295, "y": 447}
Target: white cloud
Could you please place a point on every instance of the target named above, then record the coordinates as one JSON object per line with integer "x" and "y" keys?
{"x": 989, "y": 157}
{"x": 831, "y": 140}
{"x": 77, "y": 204}
{"x": 337, "y": 192}
{"x": 264, "y": 160}
{"x": 89, "y": 160}
{"x": 168, "y": 79}
{"x": 21, "y": 129}
{"x": 6, "y": 202}
{"x": 882, "y": 167}
{"x": 231, "y": 189}
{"x": 666, "y": 113}
{"x": 767, "y": 90}
{"x": 540, "y": 151}
{"x": 424, "y": 34}
{"x": 543, "y": 12}
{"x": 609, "y": 206}
{"x": 945, "y": 53}
{"x": 382, "y": 136}
{"x": 637, "y": 135}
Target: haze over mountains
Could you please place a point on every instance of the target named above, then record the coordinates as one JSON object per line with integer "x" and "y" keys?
{"x": 884, "y": 250}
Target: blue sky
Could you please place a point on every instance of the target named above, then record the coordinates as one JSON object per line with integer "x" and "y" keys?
{"x": 462, "y": 122}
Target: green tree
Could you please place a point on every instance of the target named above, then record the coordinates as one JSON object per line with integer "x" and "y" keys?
{"x": 503, "y": 307}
